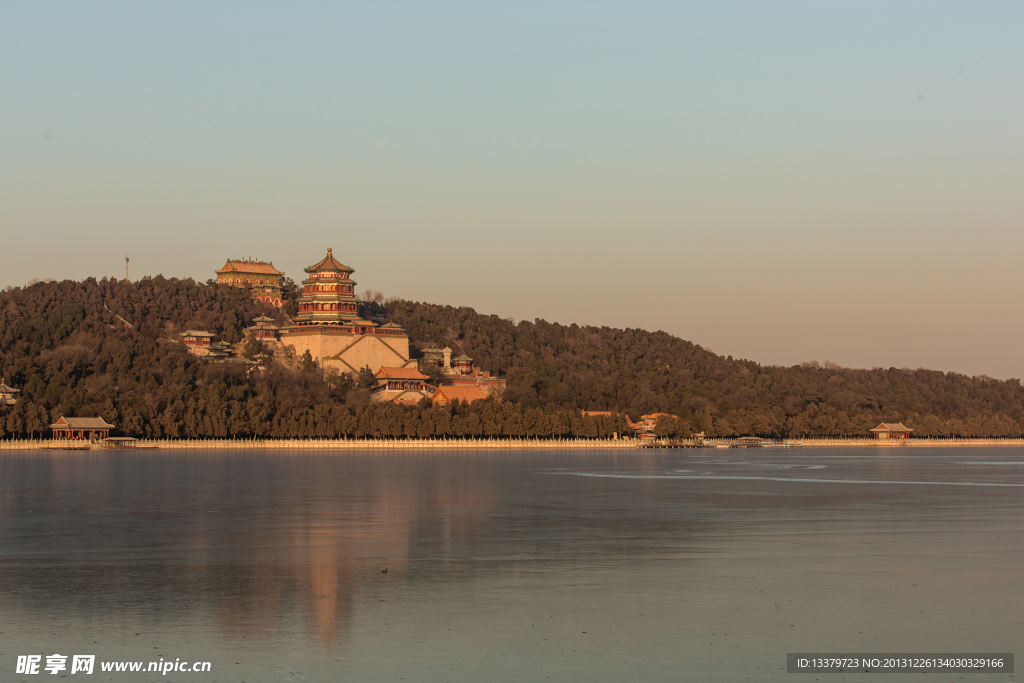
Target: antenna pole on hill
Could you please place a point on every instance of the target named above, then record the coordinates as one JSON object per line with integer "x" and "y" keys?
{"x": 126, "y": 267}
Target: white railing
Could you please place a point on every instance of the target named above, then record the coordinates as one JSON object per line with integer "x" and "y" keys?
{"x": 459, "y": 443}
{"x": 326, "y": 444}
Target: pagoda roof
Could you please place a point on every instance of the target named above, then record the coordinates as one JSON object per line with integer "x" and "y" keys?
{"x": 195, "y": 333}
{"x": 4, "y": 389}
{"x": 391, "y": 326}
{"x": 263, "y": 319}
{"x": 455, "y": 393}
{"x": 329, "y": 263}
{"x": 462, "y": 357}
{"x": 892, "y": 427}
{"x": 400, "y": 373}
{"x": 249, "y": 266}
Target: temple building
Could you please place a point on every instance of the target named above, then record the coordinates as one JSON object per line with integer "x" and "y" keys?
{"x": 645, "y": 428}
{"x": 891, "y": 430}
{"x": 329, "y": 327}
{"x": 8, "y": 395}
{"x": 467, "y": 394}
{"x": 461, "y": 371}
{"x": 198, "y": 342}
{"x": 263, "y": 328}
{"x": 261, "y": 278}
{"x": 92, "y": 428}
{"x": 401, "y": 385}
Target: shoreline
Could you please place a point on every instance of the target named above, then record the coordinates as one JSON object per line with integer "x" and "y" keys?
{"x": 448, "y": 444}
{"x": 912, "y": 443}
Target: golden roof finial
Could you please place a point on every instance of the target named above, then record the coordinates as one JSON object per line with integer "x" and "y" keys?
{"x": 328, "y": 251}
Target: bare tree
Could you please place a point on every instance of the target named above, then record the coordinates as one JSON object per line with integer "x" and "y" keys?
{"x": 370, "y": 296}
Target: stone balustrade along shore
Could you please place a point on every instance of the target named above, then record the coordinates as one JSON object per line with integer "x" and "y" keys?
{"x": 434, "y": 444}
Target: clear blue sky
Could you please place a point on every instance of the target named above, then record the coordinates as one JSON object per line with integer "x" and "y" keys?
{"x": 776, "y": 181}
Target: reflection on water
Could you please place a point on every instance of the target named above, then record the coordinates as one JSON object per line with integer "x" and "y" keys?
{"x": 255, "y": 540}
{"x": 572, "y": 566}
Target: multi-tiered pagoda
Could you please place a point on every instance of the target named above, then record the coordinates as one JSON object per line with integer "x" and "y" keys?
{"x": 329, "y": 327}
{"x": 328, "y": 296}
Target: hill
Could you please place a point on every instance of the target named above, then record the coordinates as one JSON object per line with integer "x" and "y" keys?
{"x": 65, "y": 346}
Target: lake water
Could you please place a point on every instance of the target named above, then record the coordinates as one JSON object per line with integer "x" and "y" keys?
{"x": 663, "y": 565}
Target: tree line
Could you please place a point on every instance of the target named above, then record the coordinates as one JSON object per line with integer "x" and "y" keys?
{"x": 573, "y": 367}
{"x": 67, "y": 347}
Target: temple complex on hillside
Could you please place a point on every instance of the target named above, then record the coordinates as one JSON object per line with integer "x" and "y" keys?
{"x": 261, "y": 278}
{"x": 460, "y": 371}
{"x": 329, "y": 327}
{"x": 201, "y": 343}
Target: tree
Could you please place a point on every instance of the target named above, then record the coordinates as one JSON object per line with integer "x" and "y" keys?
{"x": 306, "y": 363}
{"x": 253, "y": 348}
{"x": 667, "y": 426}
{"x": 366, "y": 378}
{"x": 435, "y": 376}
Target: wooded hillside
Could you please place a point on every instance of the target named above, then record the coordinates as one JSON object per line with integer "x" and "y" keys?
{"x": 64, "y": 346}
{"x": 572, "y": 367}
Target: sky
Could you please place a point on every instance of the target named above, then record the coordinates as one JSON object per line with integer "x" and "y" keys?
{"x": 783, "y": 182}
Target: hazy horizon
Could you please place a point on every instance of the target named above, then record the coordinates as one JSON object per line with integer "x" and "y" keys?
{"x": 779, "y": 183}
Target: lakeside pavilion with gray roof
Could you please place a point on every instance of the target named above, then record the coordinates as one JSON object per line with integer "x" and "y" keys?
{"x": 891, "y": 430}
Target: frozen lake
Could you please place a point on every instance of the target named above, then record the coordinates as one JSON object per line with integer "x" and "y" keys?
{"x": 653, "y": 565}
